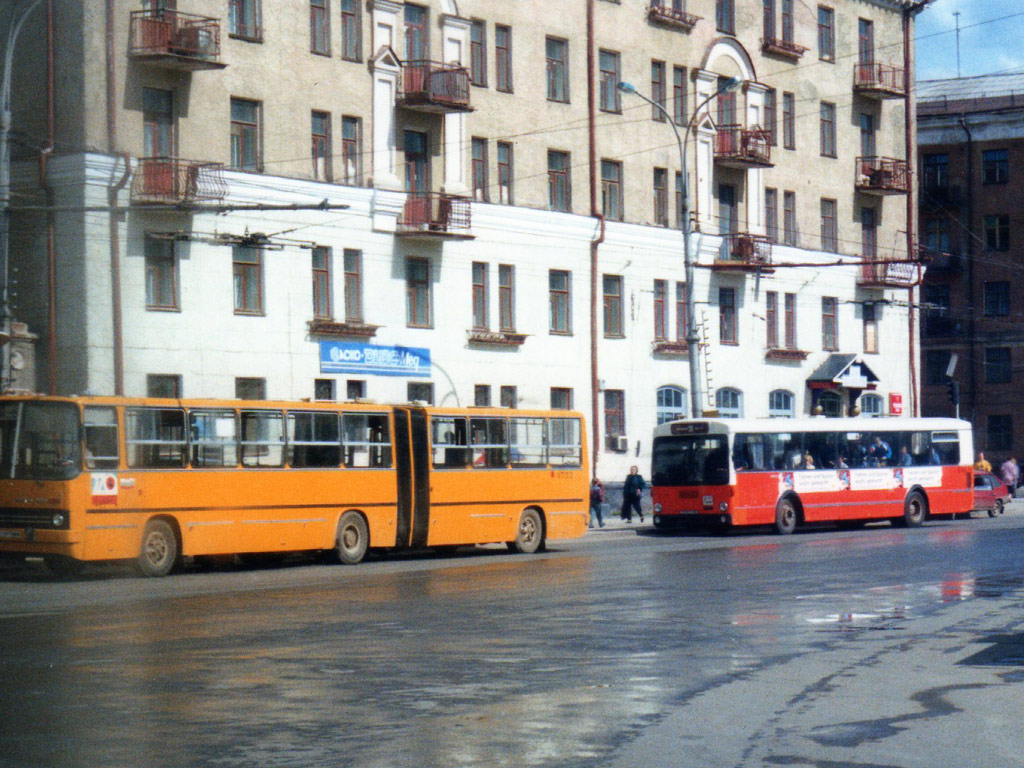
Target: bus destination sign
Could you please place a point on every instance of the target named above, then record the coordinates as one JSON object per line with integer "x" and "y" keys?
{"x": 690, "y": 428}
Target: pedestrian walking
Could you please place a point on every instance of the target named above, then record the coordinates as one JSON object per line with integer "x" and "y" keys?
{"x": 632, "y": 493}
{"x": 596, "y": 502}
{"x": 1009, "y": 472}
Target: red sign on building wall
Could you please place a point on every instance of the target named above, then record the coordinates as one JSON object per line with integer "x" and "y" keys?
{"x": 895, "y": 404}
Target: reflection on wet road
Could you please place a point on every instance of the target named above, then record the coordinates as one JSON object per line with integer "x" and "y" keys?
{"x": 494, "y": 660}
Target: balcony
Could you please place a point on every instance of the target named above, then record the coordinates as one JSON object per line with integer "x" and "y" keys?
{"x": 785, "y": 49}
{"x": 738, "y": 147}
{"x": 876, "y": 273}
{"x": 434, "y": 216}
{"x": 671, "y": 13}
{"x": 173, "y": 40}
{"x": 428, "y": 86}
{"x": 743, "y": 252}
{"x": 882, "y": 176}
{"x": 495, "y": 338}
{"x": 937, "y": 261}
{"x": 171, "y": 181}
{"x": 325, "y": 326}
{"x": 938, "y": 195}
{"x": 879, "y": 81}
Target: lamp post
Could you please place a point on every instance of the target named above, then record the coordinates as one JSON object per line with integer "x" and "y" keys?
{"x": 692, "y": 339}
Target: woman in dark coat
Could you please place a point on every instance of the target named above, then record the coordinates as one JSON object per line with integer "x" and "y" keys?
{"x": 632, "y": 492}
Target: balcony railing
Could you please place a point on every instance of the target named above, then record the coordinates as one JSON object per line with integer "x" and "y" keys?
{"x": 428, "y": 86}
{"x": 171, "y": 181}
{"x": 175, "y": 40}
{"x": 671, "y": 13}
{"x": 740, "y": 147}
{"x": 936, "y": 260}
{"x": 883, "y": 175}
{"x": 745, "y": 252}
{"x": 940, "y": 195}
{"x": 879, "y": 273}
{"x": 435, "y": 215}
{"x": 878, "y": 80}
{"x": 785, "y": 48}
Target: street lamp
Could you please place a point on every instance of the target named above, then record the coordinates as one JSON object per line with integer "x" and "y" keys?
{"x": 692, "y": 339}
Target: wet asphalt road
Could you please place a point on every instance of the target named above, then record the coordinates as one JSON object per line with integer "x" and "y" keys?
{"x": 621, "y": 649}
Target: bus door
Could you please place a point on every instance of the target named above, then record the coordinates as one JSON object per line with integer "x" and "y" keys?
{"x": 412, "y": 464}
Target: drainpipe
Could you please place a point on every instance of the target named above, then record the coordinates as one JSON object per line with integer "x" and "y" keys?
{"x": 44, "y": 180}
{"x": 910, "y": 124}
{"x": 115, "y": 211}
{"x": 595, "y": 212}
{"x": 968, "y": 289}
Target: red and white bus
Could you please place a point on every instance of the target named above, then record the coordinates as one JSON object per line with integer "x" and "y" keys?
{"x": 721, "y": 473}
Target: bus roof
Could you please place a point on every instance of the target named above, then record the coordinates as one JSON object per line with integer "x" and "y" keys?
{"x": 818, "y": 424}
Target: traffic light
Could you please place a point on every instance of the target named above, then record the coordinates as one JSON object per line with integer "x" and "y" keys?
{"x": 954, "y": 391}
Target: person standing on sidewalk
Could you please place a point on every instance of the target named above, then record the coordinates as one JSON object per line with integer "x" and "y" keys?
{"x": 1010, "y": 474}
{"x": 596, "y": 502}
{"x": 632, "y": 493}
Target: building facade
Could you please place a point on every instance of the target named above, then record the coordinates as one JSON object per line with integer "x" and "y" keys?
{"x": 453, "y": 201}
{"x": 971, "y": 140}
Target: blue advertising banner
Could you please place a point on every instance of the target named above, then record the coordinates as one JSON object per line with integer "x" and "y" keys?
{"x": 355, "y": 357}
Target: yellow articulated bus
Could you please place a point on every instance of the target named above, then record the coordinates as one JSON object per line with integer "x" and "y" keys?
{"x": 102, "y": 478}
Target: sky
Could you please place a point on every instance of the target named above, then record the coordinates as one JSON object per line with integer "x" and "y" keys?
{"x": 991, "y": 38}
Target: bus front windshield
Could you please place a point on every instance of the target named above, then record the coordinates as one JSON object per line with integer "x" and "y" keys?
{"x": 690, "y": 460}
{"x": 39, "y": 441}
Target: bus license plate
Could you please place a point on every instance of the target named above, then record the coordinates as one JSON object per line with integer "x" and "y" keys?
{"x": 689, "y": 512}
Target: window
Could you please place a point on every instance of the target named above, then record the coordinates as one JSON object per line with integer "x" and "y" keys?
{"x": 771, "y": 317}
{"x": 353, "y": 285}
{"x": 771, "y": 213}
{"x": 658, "y": 90}
{"x": 479, "y": 170}
{"x": 420, "y": 391}
{"x": 828, "y": 129}
{"x": 829, "y": 323}
{"x": 350, "y": 30}
{"x": 789, "y": 228}
{"x": 503, "y": 58}
{"x": 995, "y": 166}
{"x": 729, "y": 403}
{"x": 660, "y": 310}
{"x": 661, "y": 197}
{"x": 509, "y": 397}
{"x": 213, "y": 437}
{"x": 671, "y": 404}
{"x": 829, "y": 226}
{"x": 679, "y": 96}
{"x": 612, "y": 306}
{"x": 997, "y": 365}
{"x": 867, "y": 135}
{"x": 321, "y": 146}
{"x": 611, "y": 189}
{"x": 481, "y": 314}
{"x": 250, "y": 389}
{"x": 507, "y": 297}
{"x": 789, "y": 306}
{"x": 417, "y": 293}
{"x": 725, "y": 18}
{"x": 322, "y": 282}
{"x": 245, "y": 135}
{"x": 872, "y": 406}
{"x": 158, "y": 123}
{"x": 937, "y": 235}
{"x": 482, "y": 395}
{"x": 728, "y": 214}
{"x": 161, "y": 274}
{"x": 997, "y": 232}
{"x": 558, "y": 293}
{"x": 505, "y": 173}
{"x": 826, "y": 34}
{"x": 831, "y": 404}
{"x": 559, "y": 181}
{"x": 780, "y": 404}
{"x": 561, "y": 399}
{"x": 935, "y": 171}
{"x": 865, "y": 42}
{"x": 787, "y": 20}
{"x": 788, "y": 120}
{"x": 417, "y": 162}
{"x": 557, "y": 53}
{"x": 99, "y": 429}
{"x": 355, "y": 389}
{"x": 679, "y": 200}
{"x": 868, "y": 233}
{"x": 323, "y": 390}
{"x": 608, "y": 63}
{"x": 478, "y": 53}
{"x": 727, "y": 315}
{"x": 936, "y": 363}
{"x": 1000, "y": 432}
{"x": 769, "y": 19}
{"x": 614, "y": 419}
{"x": 244, "y": 19}
{"x": 938, "y": 320}
{"x": 681, "y": 327}
{"x": 997, "y": 298}
{"x": 319, "y": 28}
{"x": 771, "y": 118}
{"x": 163, "y": 385}
{"x": 416, "y": 39}
{"x": 248, "y": 279}
{"x": 155, "y": 437}
{"x": 351, "y": 140}
{"x": 314, "y": 439}
{"x": 870, "y": 328}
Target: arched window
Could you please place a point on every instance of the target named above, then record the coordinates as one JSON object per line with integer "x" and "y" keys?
{"x": 780, "y": 403}
{"x": 831, "y": 403}
{"x": 872, "y": 405}
{"x": 671, "y": 404}
{"x": 729, "y": 403}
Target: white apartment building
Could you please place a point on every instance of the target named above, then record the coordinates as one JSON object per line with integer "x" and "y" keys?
{"x": 334, "y": 199}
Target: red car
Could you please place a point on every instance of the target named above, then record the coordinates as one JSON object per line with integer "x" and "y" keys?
{"x": 990, "y": 494}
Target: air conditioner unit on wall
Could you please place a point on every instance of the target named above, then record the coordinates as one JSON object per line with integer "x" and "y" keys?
{"x": 621, "y": 443}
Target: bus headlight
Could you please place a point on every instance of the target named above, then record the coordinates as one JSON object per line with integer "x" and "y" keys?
{"x": 724, "y": 506}
{"x": 657, "y": 507}
{"x": 57, "y": 519}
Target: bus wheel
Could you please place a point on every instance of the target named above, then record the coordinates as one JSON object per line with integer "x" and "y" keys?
{"x": 529, "y": 534}
{"x": 353, "y": 538}
{"x": 159, "y": 552}
{"x": 914, "y": 510}
{"x": 65, "y": 567}
{"x": 785, "y": 517}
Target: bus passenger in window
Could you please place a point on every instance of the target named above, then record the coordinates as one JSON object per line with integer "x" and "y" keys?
{"x": 906, "y": 459}
{"x": 880, "y": 452}
{"x": 808, "y": 461}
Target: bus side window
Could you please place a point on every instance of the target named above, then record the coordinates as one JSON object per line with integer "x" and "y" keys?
{"x": 262, "y": 438}
{"x": 367, "y": 440}
{"x": 564, "y": 449}
{"x": 313, "y": 440}
{"x": 155, "y": 437}
{"x": 527, "y": 437}
{"x": 213, "y": 436}
{"x": 101, "y": 441}
{"x": 489, "y": 438}
{"x": 449, "y": 438}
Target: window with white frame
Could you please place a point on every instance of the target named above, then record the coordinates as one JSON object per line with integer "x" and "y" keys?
{"x": 671, "y": 404}
{"x": 729, "y": 403}
{"x": 780, "y": 404}
{"x": 872, "y": 405}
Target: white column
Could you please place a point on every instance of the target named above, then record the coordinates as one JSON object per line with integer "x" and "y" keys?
{"x": 386, "y": 33}
{"x": 455, "y": 38}
{"x": 704, "y": 176}
{"x": 755, "y": 93}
